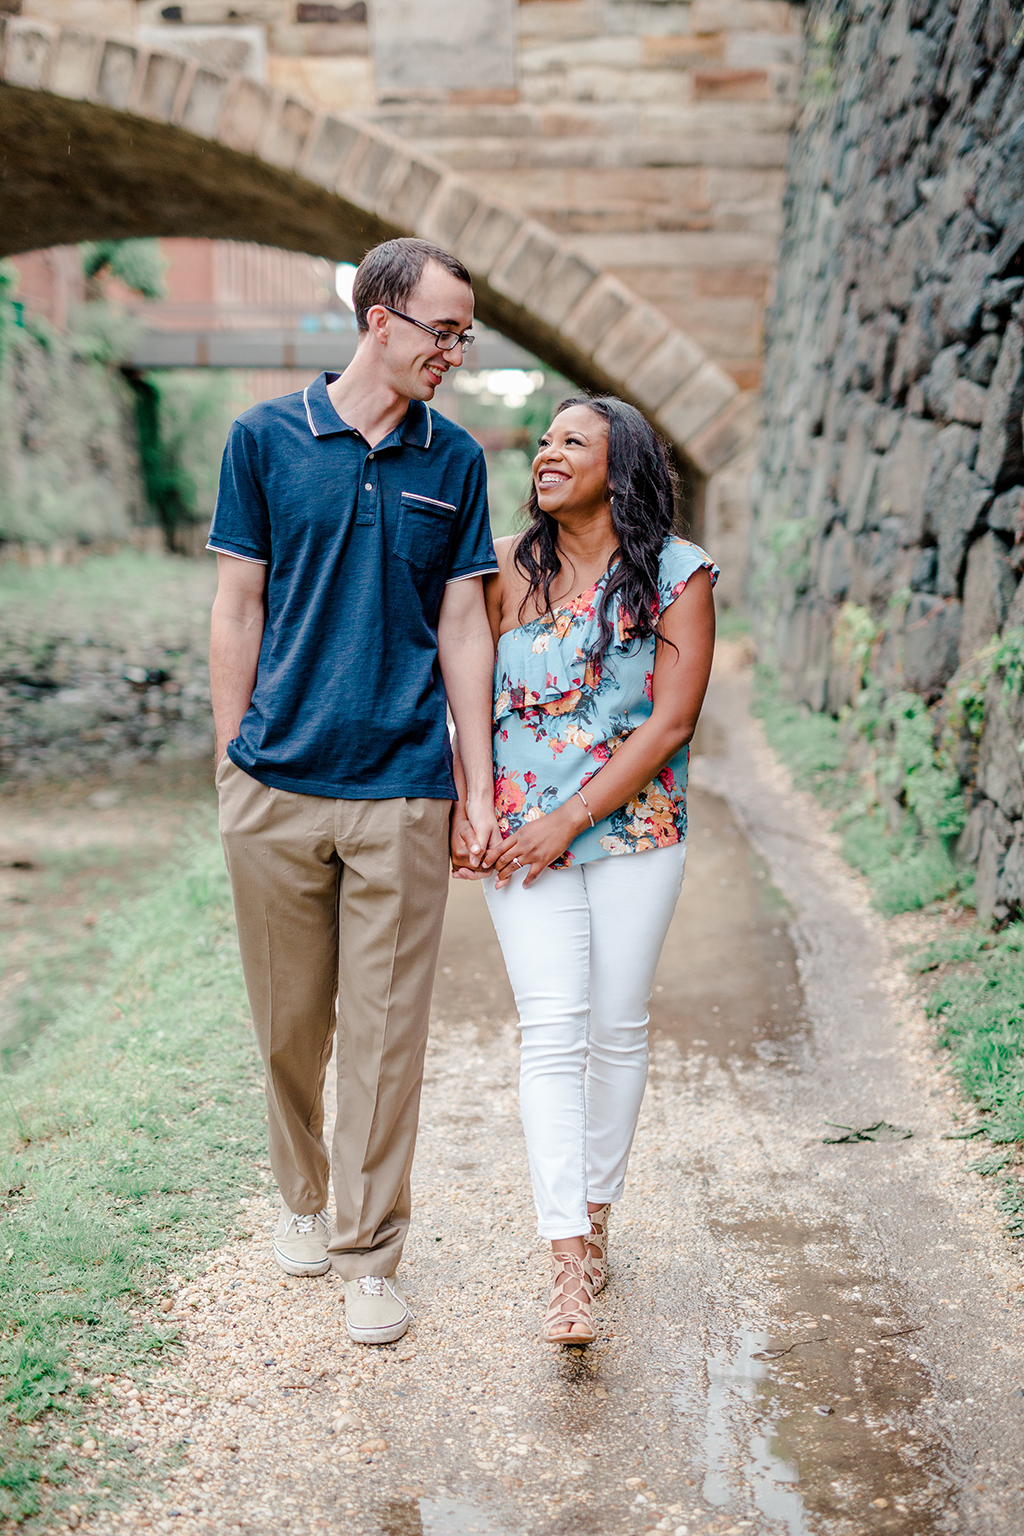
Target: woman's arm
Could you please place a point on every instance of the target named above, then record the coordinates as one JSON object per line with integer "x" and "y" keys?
{"x": 469, "y": 859}
{"x": 681, "y": 671}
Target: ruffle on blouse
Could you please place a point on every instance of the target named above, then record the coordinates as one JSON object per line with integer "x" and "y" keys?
{"x": 545, "y": 661}
{"x": 541, "y": 669}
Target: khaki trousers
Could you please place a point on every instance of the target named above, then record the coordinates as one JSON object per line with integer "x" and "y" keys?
{"x": 339, "y": 905}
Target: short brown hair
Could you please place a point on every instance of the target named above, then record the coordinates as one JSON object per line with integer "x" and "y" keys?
{"x": 389, "y": 273}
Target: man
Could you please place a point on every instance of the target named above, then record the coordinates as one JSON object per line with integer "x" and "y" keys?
{"x": 352, "y": 537}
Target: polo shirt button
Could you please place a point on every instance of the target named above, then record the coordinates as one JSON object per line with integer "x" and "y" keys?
{"x": 368, "y": 486}
{"x": 371, "y": 455}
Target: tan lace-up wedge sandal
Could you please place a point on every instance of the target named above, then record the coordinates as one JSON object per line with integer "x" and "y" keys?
{"x": 597, "y": 1247}
{"x": 569, "y": 1318}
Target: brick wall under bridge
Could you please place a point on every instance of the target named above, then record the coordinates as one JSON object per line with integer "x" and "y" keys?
{"x": 645, "y": 140}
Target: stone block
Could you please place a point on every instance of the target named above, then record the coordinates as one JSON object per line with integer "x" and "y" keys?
{"x": 954, "y": 445}
{"x": 1006, "y": 514}
{"x": 448, "y": 213}
{"x": 329, "y": 151}
{"x": 967, "y": 402}
{"x": 956, "y": 513}
{"x": 995, "y": 840}
{"x": 76, "y": 59}
{"x": 564, "y": 287}
{"x": 728, "y": 435}
{"x": 290, "y": 127}
{"x": 988, "y": 589}
{"x": 234, "y": 50}
{"x": 204, "y": 103}
{"x": 1010, "y": 885}
{"x": 1000, "y": 450}
{"x": 341, "y": 84}
{"x": 689, "y": 410}
{"x": 246, "y": 116}
{"x": 924, "y": 570}
{"x": 903, "y": 475}
{"x": 116, "y": 79}
{"x": 26, "y": 59}
{"x": 367, "y": 172}
{"x": 836, "y": 565}
{"x": 522, "y": 273}
{"x": 601, "y": 307}
{"x": 742, "y": 16}
{"x": 489, "y": 237}
{"x": 962, "y": 300}
{"x": 671, "y": 363}
{"x": 410, "y": 194}
{"x": 999, "y": 759}
{"x": 415, "y": 50}
{"x": 161, "y": 81}
{"x": 633, "y": 339}
{"x": 683, "y": 51}
{"x": 931, "y": 638}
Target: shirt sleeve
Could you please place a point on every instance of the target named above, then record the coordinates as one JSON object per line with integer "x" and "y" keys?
{"x": 472, "y": 548}
{"x": 241, "y": 522}
{"x": 679, "y": 560}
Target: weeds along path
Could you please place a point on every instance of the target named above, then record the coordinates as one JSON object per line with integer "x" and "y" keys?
{"x": 798, "y": 1338}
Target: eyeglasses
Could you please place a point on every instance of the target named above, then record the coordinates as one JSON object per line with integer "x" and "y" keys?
{"x": 447, "y": 341}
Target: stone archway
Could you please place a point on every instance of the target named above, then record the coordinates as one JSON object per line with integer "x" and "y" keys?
{"x": 102, "y": 138}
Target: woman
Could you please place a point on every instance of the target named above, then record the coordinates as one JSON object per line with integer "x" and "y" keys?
{"x": 604, "y": 628}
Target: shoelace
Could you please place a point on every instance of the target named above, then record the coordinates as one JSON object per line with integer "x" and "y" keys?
{"x": 305, "y": 1226}
{"x": 371, "y": 1285}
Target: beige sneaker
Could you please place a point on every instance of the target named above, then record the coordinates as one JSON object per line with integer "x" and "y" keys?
{"x": 300, "y": 1242}
{"x": 375, "y": 1310}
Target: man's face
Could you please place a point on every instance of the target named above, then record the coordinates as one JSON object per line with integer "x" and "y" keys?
{"x": 412, "y": 361}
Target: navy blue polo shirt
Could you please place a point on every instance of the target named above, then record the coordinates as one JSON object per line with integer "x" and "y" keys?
{"x": 359, "y": 545}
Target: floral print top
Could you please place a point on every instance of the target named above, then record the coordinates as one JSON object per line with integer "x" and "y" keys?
{"x": 558, "y": 718}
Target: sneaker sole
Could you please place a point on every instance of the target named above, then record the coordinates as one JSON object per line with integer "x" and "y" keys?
{"x": 379, "y": 1335}
{"x": 292, "y": 1267}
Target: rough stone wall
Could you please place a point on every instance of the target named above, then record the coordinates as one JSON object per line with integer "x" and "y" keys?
{"x": 69, "y": 456}
{"x": 892, "y": 472}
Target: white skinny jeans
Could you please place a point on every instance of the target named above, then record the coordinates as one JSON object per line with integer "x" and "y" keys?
{"x": 581, "y": 947}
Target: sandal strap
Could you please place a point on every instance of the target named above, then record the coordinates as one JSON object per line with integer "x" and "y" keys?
{"x": 566, "y": 1306}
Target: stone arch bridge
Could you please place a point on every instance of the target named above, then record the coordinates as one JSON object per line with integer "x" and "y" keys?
{"x": 103, "y": 138}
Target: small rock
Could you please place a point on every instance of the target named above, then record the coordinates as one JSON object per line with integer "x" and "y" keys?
{"x": 823, "y": 1409}
{"x": 88, "y": 1446}
{"x": 634, "y": 1482}
{"x": 73, "y": 1521}
{"x": 369, "y": 1446}
{"x": 167, "y": 1304}
{"x": 880, "y": 1503}
{"x": 105, "y": 799}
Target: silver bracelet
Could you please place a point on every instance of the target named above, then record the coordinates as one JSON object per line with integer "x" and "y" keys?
{"x": 586, "y": 807}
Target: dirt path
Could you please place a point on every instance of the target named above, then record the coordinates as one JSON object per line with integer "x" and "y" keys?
{"x": 797, "y": 1338}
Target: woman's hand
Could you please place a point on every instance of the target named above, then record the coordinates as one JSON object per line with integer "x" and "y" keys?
{"x": 540, "y": 842}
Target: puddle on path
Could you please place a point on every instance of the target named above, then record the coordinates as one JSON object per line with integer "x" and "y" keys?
{"x": 826, "y": 1424}
{"x": 728, "y": 981}
{"x": 437, "y": 1517}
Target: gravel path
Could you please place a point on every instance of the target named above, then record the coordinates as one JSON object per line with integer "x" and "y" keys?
{"x": 797, "y": 1338}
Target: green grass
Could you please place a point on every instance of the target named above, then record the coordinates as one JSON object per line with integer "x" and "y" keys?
{"x": 126, "y": 1141}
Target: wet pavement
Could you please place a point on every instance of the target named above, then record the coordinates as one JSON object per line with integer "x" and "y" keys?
{"x": 796, "y": 1338}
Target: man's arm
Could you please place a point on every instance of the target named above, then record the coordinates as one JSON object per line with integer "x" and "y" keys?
{"x": 236, "y": 632}
{"x": 465, "y": 650}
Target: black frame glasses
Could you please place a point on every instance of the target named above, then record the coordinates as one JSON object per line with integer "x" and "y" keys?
{"x": 447, "y": 341}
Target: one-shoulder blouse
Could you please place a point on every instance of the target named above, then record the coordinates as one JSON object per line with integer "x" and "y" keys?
{"x": 558, "y": 717}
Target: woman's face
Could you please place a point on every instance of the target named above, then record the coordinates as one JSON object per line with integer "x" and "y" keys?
{"x": 570, "y": 471}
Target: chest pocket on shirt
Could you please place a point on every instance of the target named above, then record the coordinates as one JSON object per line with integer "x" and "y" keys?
{"x": 424, "y": 530}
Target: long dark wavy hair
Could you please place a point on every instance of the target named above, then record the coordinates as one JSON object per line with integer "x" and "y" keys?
{"x": 642, "y": 489}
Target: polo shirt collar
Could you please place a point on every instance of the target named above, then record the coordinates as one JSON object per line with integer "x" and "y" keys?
{"x": 416, "y": 429}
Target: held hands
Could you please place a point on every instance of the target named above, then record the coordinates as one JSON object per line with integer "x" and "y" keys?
{"x": 475, "y": 838}
{"x": 539, "y": 843}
